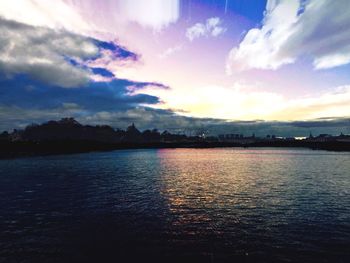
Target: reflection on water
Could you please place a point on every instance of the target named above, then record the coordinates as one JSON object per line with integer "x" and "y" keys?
{"x": 260, "y": 195}
{"x": 210, "y": 205}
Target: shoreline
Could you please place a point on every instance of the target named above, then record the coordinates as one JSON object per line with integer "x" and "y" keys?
{"x": 23, "y": 149}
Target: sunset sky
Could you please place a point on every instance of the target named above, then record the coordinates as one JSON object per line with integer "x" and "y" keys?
{"x": 173, "y": 64}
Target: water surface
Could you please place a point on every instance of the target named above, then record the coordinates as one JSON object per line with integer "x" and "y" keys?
{"x": 205, "y": 205}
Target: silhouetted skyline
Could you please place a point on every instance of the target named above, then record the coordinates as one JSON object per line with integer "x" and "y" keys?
{"x": 69, "y": 136}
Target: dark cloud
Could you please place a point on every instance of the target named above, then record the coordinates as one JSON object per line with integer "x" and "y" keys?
{"x": 285, "y": 129}
{"x": 97, "y": 96}
{"x": 336, "y": 122}
{"x": 148, "y": 118}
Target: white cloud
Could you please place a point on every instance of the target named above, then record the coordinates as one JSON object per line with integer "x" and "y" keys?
{"x": 212, "y": 27}
{"x": 89, "y": 17}
{"x": 52, "y": 14}
{"x": 196, "y": 31}
{"x": 170, "y": 51}
{"x": 155, "y": 14}
{"x": 41, "y": 53}
{"x": 291, "y": 28}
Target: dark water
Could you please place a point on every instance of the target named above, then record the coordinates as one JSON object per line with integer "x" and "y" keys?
{"x": 177, "y": 205}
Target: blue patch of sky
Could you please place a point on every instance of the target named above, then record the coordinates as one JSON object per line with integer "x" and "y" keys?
{"x": 251, "y": 9}
{"x": 102, "y": 72}
{"x": 118, "y": 51}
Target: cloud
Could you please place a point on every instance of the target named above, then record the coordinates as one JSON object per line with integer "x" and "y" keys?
{"x": 211, "y": 28}
{"x": 54, "y": 57}
{"x": 57, "y": 14}
{"x": 15, "y": 117}
{"x": 144, "y": 117}
{"x": 96, "y": 96}
{"x": 285, "y": 128}
{"x": 323, "y": 123}
{"x": 155, "y": 14}
{"x": 147, "y": 118}
{"x": 41, "y": 52}
{"x": 90, "y": 16}
{"x": 319, "y": 29}
{"x": 170, "y": 51}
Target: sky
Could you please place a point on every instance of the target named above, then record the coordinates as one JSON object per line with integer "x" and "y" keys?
{"x": 275, "y": 66}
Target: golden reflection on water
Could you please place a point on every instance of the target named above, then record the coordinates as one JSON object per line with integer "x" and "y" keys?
{"x": 201, "y": 184}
